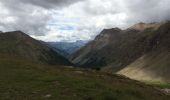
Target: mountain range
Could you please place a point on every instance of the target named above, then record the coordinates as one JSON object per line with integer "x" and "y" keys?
{"x": 140, "y": 52}
{"x": 67, "y": 48}
{"x": 36, "y": 70}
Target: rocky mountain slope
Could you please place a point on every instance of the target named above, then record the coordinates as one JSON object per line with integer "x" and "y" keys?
{"x": 116, "y": 51}
{"x": 18, "y": 44}
{"x": 154, "y": 64}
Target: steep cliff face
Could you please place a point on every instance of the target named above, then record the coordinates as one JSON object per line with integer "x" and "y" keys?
{"x": 18, "y": 44}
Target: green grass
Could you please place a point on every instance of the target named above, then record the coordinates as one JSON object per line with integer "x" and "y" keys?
{"x": 162, "y": 85}
{"x": 21, "y": 80}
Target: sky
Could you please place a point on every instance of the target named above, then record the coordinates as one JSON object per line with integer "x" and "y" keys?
{"x": 72, "y": 20}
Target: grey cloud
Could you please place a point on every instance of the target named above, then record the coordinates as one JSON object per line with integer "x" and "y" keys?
{"x": 30, "y": 16}
{"x": 41, "y": 3}
{"x": 87, "y": 16}
{"x": 148, "y": 10}
{"x": 30, "y": 19}
{"x": 101, "y": 7}
{"x": 136, "y": 10}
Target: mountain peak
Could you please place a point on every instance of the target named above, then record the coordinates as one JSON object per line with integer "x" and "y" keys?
{"x": 106, "y": 34}
{"x": 112, "y": 30}
{"x": 18, "y": 32}
{"x": 142, "y": 26}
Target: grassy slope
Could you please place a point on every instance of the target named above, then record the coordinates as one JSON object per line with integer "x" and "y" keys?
{"x": 20, "y": 80}
{"x": 21, "y": 45}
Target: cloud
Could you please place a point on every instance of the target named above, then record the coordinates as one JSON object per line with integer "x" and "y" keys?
{"x": 41, "y": 3}
{"x": 30, "y": 16}
{"x": 69, "y": 20}
{"x": 148, "y": 10}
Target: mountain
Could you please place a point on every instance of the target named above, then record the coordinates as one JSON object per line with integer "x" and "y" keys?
{"x": 145, "y": 47}
{"x": 93, "y": 54}
{"x": 154, "y": 64}
{"x": 142, "y": 26}
{"x": 23, "y": 75}
{"x": 18, "y": 44}
{"x": 67, "y": 48}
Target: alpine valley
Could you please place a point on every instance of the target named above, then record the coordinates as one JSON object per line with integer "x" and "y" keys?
{"x": 118, "y": 64}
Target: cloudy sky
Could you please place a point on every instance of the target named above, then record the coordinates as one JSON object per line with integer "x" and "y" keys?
{"x": 71, "y": 20}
